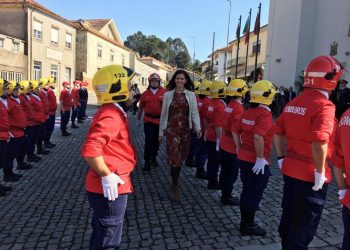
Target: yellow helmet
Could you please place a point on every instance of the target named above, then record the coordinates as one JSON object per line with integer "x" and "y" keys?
{"x": 43, "y": 81}
{"x": 13, "y": 85}
{"x": 237, "y": 87}
{"x": 218, "y": 89}
{"x": 262, "y": 92}
{"x": 33, "y": 84}
{"x": 25, "y": 86}
{"x": 111, "y": 83}
{"x": 4, "y": 84}
{"x": 51, "y": 80}
{"x": 205, "y": 87}
{"x": 196, "y": 87}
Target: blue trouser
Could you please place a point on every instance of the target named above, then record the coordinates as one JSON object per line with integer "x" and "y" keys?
{"x": 213, "y": 162}
{"x": 107, "y": 221}
{"x": 22, "y": 149}
{"x": 81, "y": 111}
{"x": 50, "y": 126}
{"x": 10, "y": 153}
{"x": 229, "y": 172}
{"x": 346, "y": 222}
{"x": 151, "y": 141}
{"x": 302, "y": 210}
{"x": 201, "y": 155}
{"x": 41, "y": 135}
{"x": 194, "y": 146}
{"x": 32, "y": 134}
{"x": 75, "y": 110}
{"x": 2, "y": 147}
{"x": 253, "y": 186}
{"x": 64, "y": 120}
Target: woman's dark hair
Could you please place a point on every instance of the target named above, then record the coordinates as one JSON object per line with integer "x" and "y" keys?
{"x": 188, "y": 85}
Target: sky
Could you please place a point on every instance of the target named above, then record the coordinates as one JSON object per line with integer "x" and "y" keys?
{"x": 194, "y": 21}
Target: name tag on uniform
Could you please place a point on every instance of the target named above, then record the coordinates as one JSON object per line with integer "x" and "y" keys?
{"x": 210, "y": 108}
{"x": 228, "y": 110}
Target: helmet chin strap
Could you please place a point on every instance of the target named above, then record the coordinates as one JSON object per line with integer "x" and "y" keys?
{"x": 154, "y": 88}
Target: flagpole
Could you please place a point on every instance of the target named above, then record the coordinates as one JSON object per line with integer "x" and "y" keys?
{"x": 246, "y": 57}
{"x": 238, "y": 35}
{"x": 212, "y": 59}
{"x": 257, "y": 22}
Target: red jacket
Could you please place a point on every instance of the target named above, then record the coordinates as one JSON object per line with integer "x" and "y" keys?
{"x": 232, "y": 115}
{"x": 66, "y": 99}
{"x": 52, "y": 101}
{"x": 341, "y": 154}
{"x": 305, "y": 119}
{"x": 75, "y": 96}
{"x": 27, "y": 108}
{"x": 17, "y": 117}
{"x": 152, "y": 105}
{"x": 39, "y": 113}
{"x": 4, "y": 123}
{"x": 44, "y": 101}
{"x": 254, "y": 121}
{"x": 109, "y": 137}
{"x": 215, "y": 115}
{"x": 203, "y": 111}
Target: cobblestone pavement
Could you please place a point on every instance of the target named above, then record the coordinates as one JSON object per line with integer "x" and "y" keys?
{"x": 48, "y": 208}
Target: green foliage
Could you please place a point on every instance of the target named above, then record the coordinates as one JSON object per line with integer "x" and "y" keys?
{"x": 172, "y": 51}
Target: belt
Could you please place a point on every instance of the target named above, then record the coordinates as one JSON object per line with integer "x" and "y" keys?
{"x": 153, "y": 116}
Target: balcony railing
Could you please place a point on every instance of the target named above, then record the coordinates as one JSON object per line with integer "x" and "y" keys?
{"x": 232, "y": 63}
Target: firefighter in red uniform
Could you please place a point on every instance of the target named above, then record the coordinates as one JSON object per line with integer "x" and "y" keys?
{"x": 151, "y": 104}
{"x": 76, "y": 102}
{"x": 194, "y": 139}
{"x": 215, "y": 114}
{"x": 29, "y": 112}
{"x": 43, "y": 128}
{"x": 235, "y": 92}
{"x": 18, "y": 122}
{"x": 39, "y": 118}
{"x": 65, "y": 107}
{"x": 303, "y": 134}
{"x": 254, "y": 146}
{"x": 49, "y": 89}
{"x": 203, "y": 103}
{"x": 4, "y": 128}
{"x": 110, "y": 155}
{"x": 341, "y": 162}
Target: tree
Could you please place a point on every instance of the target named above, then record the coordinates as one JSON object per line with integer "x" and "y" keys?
{"x": 172, "y": 51}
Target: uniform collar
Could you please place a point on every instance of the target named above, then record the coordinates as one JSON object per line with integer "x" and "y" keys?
{"x": 265, "y": 107}
{"x": 121, "y": 109}
{"x": 323, "y": 93}
{"x": 154, "y": 91}
{"x": 16, "y": 99}
{"x": 4, "y": 101}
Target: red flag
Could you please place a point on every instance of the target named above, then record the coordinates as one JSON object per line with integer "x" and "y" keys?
{"x": 246, "y": 30}
{"x": 257, "y": 24}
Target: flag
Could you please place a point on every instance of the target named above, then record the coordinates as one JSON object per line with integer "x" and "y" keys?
{"x": 238, "y": 31}
{"x": 257, "y": 23}
{"x": 246, "y": 30}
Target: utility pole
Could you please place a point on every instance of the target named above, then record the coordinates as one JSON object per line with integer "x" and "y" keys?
{"x": 228, "y": 35}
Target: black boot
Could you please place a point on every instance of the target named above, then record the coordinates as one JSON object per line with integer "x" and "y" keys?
{"x": 189, "y": 163}
{"x": 74, "y": 126}
{"x": 230, "y": 200}
{"x": 201, "y": 175}
{"x": 65, "y": 133}
{"x": 175, "y": 190}
{"x": 12, "y": 177}
{"x": 248, "y": 227}
{"x": 5, "y": 188}
{"x": 48, "y": 145}
{"x": 33, "y": 158}
{"x": 42, "y": 151}
{"x": 154, "y": 163}
{"x": 213, "y": 185}
{"x": 147, "y": 166}
{"x": 23, "y": 166}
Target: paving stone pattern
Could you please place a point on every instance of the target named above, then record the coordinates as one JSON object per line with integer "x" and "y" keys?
{"x": 48, "y": 208}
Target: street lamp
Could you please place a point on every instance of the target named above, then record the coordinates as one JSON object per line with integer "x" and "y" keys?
{"x": 228, "y": 35}
{"x": 194, "y": 54}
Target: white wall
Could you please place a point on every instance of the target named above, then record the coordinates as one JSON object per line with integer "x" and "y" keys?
{"x": 300, "y": 30}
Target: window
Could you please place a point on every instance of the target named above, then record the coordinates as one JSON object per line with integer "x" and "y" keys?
{"x": 68, "y": 41}
{"x": 4, "y": 75}
{"x": 256, "y": 49}
{"x": 15, "y": 47}
{"x": 68, "y": 74}
{"x": 54, "y": 36}
{"x": 11, "y": 76}
{"x": 1, "y": 43}
{"x": 123, "y": 59}
{"x": 37, "y": 30}
{"x": 37, "y": 70}
{"x": 99, "y": 51}
{"x": 54, "y": 71}
{"x": 112, "y": 55}
{"x": 19, "y": 77}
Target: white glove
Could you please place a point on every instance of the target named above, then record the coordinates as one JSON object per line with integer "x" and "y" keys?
{"x": 217, "y": 144}
{"x": 342, "y": 193}
{"x": 110, "y": 186}
{"x": 259, "y": 165}
{"x": 320, "y": 179}
{"x": 280, "y": 162}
